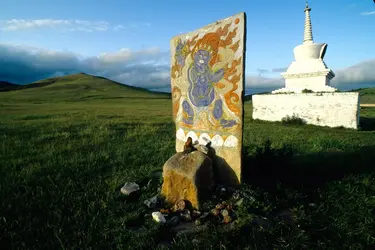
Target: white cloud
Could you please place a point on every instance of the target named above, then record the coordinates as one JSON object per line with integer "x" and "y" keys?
{"x": 259, "y": 81}
{"x": 360, "y": 73}
{"x": 25, "y": 64}
{"x": 262, "y": 71}
{"x": 148, "y": 68}
{"x": 146, "y": 55}
{"x": 368, "y": 13}
{"x": 139, "y": 25}
{"x": 118, "y": 27}
{"x": 59, "y": 24}
{"x": 279, "y": 70}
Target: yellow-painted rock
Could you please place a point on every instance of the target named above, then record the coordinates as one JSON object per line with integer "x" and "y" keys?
{"x": 187, "y": 177}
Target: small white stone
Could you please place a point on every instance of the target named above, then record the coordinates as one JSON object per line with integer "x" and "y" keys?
{"x": 151, "y": 203}
{"x": 224, "y": 213}
{"x": 129, "y": 187}
{"x": 158, "y": 217}
{"x": 312, "y": 204}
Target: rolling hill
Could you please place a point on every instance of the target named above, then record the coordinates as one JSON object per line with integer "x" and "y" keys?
{"x": 367, "y": 96}
{"x": 78, "y": 87}
{"x": 8, "y": 86}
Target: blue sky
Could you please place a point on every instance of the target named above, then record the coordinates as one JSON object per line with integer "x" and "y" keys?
{"x": 96, "y": 35}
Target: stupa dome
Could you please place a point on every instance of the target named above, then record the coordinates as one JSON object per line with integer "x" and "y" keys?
{"x": 310, "y": 51}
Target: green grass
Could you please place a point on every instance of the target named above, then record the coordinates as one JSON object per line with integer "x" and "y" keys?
{"x": 367, "y": 95}
{"x": 67, "y": 148}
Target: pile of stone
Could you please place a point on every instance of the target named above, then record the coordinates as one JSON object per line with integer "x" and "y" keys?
{"x": 183, "y": 218}
{"x": 224, "y": 212}
{"x": 183, "y": 212}
{"x": 180, "y": 212}
{"x": 187, "y": 178}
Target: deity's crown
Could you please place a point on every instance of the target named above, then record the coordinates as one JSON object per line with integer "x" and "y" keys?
{"x": 203, "y": 46}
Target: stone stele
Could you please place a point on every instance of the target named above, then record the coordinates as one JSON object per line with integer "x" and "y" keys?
{"x": 207, "y": 82}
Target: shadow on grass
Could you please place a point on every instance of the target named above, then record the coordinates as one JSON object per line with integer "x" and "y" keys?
{"x": 270, "y": 167}
{"x": 367, "y": 123}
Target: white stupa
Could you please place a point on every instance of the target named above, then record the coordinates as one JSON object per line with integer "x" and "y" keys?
{"x": 308, "y": 71}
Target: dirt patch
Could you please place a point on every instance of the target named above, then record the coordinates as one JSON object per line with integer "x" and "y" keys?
{"x": 368, "y": 105}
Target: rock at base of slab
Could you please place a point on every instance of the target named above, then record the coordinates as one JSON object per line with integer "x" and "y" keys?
{"x": 187, "y": 177}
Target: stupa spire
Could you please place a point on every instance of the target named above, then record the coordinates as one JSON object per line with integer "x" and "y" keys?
{"x": 307, "y": 37}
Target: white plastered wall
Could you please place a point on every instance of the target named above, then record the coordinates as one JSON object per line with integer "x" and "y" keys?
{"x": 312, "y": 83}
{"x": 322, "y": 109}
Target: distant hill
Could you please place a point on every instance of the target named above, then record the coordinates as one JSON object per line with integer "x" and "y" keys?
{"x": 247, "y": 98}
{"x": 8, "y": 86}
{"x": 80, "y": 87}
{"x": 83, "y": 78}
{"x": 83, "y": 86}
{"x": 83, "y": 81}
{"x": 367, "y": 96}
{"x": 250, "y": 96}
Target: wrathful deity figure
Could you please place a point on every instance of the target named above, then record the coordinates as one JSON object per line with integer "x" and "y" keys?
{"x": 202, "y": 80}
{"x": 201, "y": 91}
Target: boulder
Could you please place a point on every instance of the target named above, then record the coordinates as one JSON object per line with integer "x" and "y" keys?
{"x": 187, "y": 177}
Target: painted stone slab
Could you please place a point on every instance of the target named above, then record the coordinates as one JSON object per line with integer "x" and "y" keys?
{"x": 207, "y": 81}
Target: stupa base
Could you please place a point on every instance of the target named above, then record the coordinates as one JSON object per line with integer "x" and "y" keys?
{"x": 321, "y": 109}
{"x": 305, "y": 90}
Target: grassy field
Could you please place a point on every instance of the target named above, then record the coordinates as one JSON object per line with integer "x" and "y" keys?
{"x": 367, "y": 95}
{"x": 69, "y": 146}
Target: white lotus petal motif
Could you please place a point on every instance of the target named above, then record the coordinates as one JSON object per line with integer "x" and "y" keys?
{"x": 217, "y": 141}
{"x": 231, "y": 142}
{"x": 180, "y": 135}
{"x": 204, "y": 138}
{"x": 193, "y": 136}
